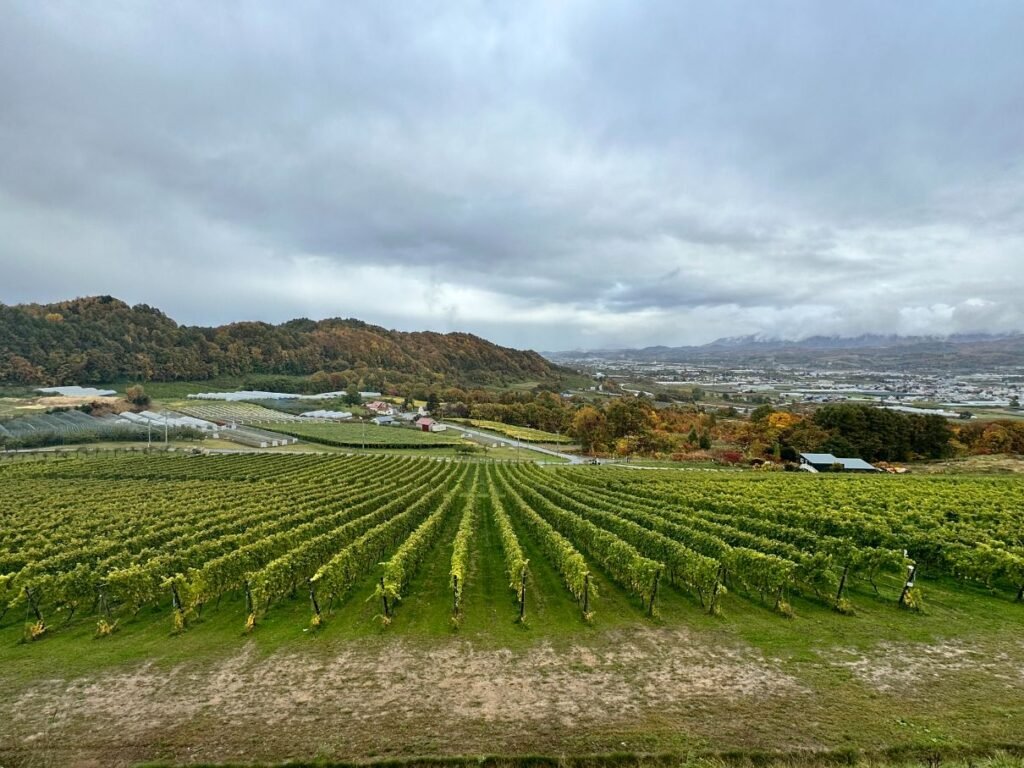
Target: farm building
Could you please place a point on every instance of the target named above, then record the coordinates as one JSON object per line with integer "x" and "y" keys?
{"x": 826, "y": 462}
{"x": 427, "y": 424}
{"x": 383, "y": 421}
{"x": 381, "y": 408}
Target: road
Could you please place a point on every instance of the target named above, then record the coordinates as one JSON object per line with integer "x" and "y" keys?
{"x": 571, "y": 458}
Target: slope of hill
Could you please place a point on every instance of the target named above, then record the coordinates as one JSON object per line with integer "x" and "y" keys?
{"x": 102, "y": 339}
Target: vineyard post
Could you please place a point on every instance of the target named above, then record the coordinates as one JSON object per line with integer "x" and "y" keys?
{"x": 32, "y": 604}
{"x": 384, "y": 597}
{"x": 455, "y": 594}
{"x": 176, "y": 600}
{"x": 522, "y": 597}
{"x": 713, "y": 600}
{"x": 586, "y": 593}
{"x": 103, "y": 602}
{"x": 842, "y": 583}
{"x": 312, "y": 598}
{"x": 248, "y": 599}
{"x": 909, "y": 585}
{"x": 654, "y": 593}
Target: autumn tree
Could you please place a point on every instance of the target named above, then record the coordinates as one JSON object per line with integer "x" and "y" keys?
{"x": 590, "y": 428}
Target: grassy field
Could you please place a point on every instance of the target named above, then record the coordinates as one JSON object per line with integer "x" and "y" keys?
{"x": 368, "y": 435}
{"x": 179, "y": 390}
{"x": 525, "y": 434}
{"x": 739, "y": 686}
{"x": 12, "y": 406}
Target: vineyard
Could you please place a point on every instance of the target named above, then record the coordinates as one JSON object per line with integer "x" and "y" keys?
{"x": 351, "y": 434}
{"x": 525, "y": 434}
{"x": 101, "y": 539}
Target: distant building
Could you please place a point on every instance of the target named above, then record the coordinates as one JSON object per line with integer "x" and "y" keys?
{"x": 384, "y": 420}
{"x": 826, "y": 462}
{"x": 427, "y": 424}
{"x": 381, "y": 408}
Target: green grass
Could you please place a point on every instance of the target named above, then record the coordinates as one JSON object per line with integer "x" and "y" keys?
{"x": 362, "y": 434}
{"x": 918, "y": 758}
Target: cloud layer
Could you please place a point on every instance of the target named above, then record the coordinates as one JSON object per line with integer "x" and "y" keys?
{"x": 546, "y": 174}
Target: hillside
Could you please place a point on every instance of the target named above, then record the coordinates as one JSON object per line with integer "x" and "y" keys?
{"x": 101, "y": 339}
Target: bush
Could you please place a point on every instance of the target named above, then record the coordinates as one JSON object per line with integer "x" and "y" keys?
{"x": 136, "y": 395}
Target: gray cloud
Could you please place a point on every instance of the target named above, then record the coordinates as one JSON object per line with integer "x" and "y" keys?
{"x": 549, "y": 175}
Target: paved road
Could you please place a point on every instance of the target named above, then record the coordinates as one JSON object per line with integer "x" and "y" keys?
{"x": 571, "y": 458}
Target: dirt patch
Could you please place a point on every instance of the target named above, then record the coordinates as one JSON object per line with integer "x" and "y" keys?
{"x": 398, "y": 696}
{"x": 61, "y": 401}
{"x": 993, "y": 464}
{"x": 900, "y": 667}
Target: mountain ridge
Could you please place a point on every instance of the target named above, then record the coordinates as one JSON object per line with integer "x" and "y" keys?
{"x": 965, "y": 351}
{"x": 100, "y": 339}
{"x": 818, "y": 341}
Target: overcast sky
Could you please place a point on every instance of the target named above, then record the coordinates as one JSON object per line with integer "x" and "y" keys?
{"x": 556, "y": 174}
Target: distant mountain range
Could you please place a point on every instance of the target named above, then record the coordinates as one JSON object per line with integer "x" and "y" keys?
{"x": 960, "y": 352}
{"x": 101, "y": 339}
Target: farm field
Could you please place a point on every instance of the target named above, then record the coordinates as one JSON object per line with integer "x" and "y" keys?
{"x": 525, "y": 434}
{"x": 226, "y": 413}
{"x": 371, "y": 601}
{"x": 362, "y": 434}
{"x": 11, "y": 407}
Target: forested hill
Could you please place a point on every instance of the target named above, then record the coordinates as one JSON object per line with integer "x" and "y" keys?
{"x": 101, "y": 339}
